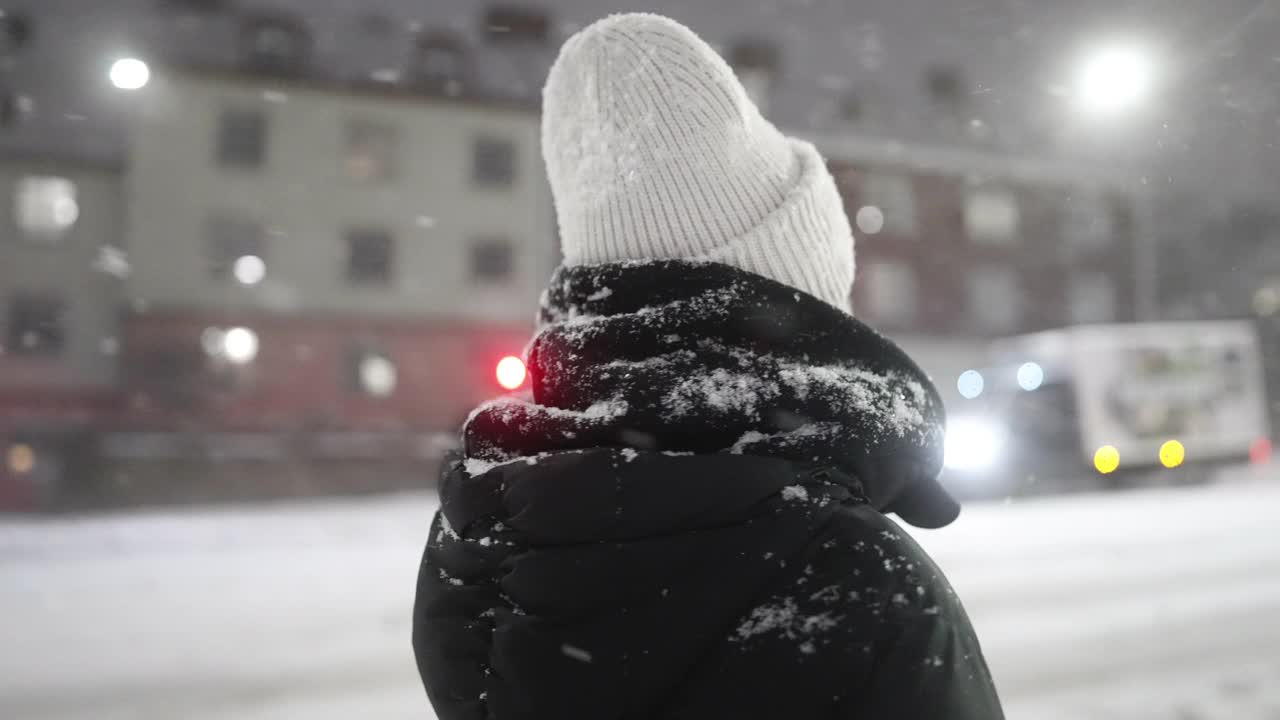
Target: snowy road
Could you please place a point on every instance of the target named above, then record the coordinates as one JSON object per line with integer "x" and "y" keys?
{"x": 1151, "y": 604}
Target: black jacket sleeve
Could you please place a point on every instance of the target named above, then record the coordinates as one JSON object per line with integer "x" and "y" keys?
{"x": 930, "y": 667}
{"x": 926, "y": 661}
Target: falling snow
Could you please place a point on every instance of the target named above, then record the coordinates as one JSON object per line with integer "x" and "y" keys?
{"x": 575, "y": 653}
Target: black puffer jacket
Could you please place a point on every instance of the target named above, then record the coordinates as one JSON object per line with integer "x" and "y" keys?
{"x": 684, "y": 521}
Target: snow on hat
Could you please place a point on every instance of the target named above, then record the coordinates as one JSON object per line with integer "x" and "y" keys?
{"x": 654, "y": 150}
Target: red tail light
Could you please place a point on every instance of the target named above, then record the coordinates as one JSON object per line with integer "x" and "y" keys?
{"x": 511, "y": 372}
{"x": 1260, "y": 451}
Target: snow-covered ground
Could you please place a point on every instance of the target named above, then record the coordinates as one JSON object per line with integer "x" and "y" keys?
{"x": 1149, "y": 604}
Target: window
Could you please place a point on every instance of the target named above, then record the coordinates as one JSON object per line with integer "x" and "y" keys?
{"x": 493, "y": 162}
{"x": 369, "y": 256}
{"x": 894, "y": 196}
{"x": 204, "y": 6}
{"x": 45, "y": 208}
{"x": 439, "y": 60}
{"x": 16, "y": 29}
{"x": 275, "y": 43}
{"x": 516, "y": 23}
{"x": 372, "y": 149}
{"x": 242, "y": 138}
{"x": 370, "y": 371}
{"x": 228, "y": 239}
{"x": 1087, "y": 220}
{"x": 849, "y": 108}
{"x": 995, "y": 299}
{"x": 36, "y": 325}
{"x": 892, "y": 291}
{"x": 492, "y": 260}
{"x": 991, "y": 217}
{"x": 946, "y": 87}
{"x": 13, "y": 108}
{"x": 755, "y": 62}
{"x": 1092, "y": 298}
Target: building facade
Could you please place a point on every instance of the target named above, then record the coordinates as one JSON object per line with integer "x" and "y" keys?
{"x": 380, "y": 252}
{"x": 320, "y": 256}
{"x": 956, "y": 247}
{"x": 977, "y": 246}
{"x": 61, "y": 287}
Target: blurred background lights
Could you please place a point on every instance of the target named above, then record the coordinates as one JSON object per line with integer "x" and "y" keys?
{"x": 869, "y": 219}
{"x": 970, "y": 384}
{"x": 21, "y": 458}
{"x": 377, "y": 375}
{"x": 212, "y": 340}
{"x": 1172, "y": 453}
{"x": 240, "y": 345}
{"x": 1030, "y": 376}
{"x": 511, "y": 372}
{"x": 1107, "y": 459}
{"x": 1266, "y": 302}
{"x": 1113, "y": 79}
{"x": 972, "y": 444}
{"x": 249, "y": 269}
{"x": 1260, "y": 451}
{"x": 130, "y": 74}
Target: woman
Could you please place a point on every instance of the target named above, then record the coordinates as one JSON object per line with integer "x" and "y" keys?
{"x": 684, "y": 519}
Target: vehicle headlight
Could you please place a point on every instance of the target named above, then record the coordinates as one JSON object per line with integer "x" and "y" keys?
{"x": 973, "y": 443}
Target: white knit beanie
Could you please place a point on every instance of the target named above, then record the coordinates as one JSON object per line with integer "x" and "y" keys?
{"x": 655, "y": 151}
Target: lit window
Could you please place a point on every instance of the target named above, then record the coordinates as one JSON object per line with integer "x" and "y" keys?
{"x": 1092, "y": 298}
{"x": 1087, "y": 219}
{"x": 492, "y": 260}
{"x": 895, "y": 198}
{"x": 228, "y": 239}
{"x": 369, "y": 256}
{"x": 45, "y": 208}
{"x": 994, "y": 298}
{"x": 242, "y": 138}
{"x": 493, "y": 162}
{"x": 892, "y": 291}
{"x": 36, "y": 325}
{"x": 991, "y": 217}
{"x": 372, "y": 149}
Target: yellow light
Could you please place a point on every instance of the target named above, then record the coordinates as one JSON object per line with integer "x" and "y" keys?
{"x": 21, "y": 458}
{"x": 1172, "y": 453}
{"x": 1106, "y": 459}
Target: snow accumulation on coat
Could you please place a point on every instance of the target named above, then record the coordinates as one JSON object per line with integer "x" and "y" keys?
{"x": 608, "y": 369}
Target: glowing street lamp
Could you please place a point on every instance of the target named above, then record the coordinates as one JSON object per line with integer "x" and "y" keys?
{"x": 1113, "y": 79}
{"x": 129, "y": 74}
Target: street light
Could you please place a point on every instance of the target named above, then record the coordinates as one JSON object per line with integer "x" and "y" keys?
{"x": 1113, "y": 79}
{"x": 129, "y": 74}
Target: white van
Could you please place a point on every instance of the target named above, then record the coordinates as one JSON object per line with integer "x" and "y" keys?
{"x": 1117, "y": 401}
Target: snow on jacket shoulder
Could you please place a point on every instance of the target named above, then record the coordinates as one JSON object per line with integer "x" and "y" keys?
{"x": 614, "y": 583}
